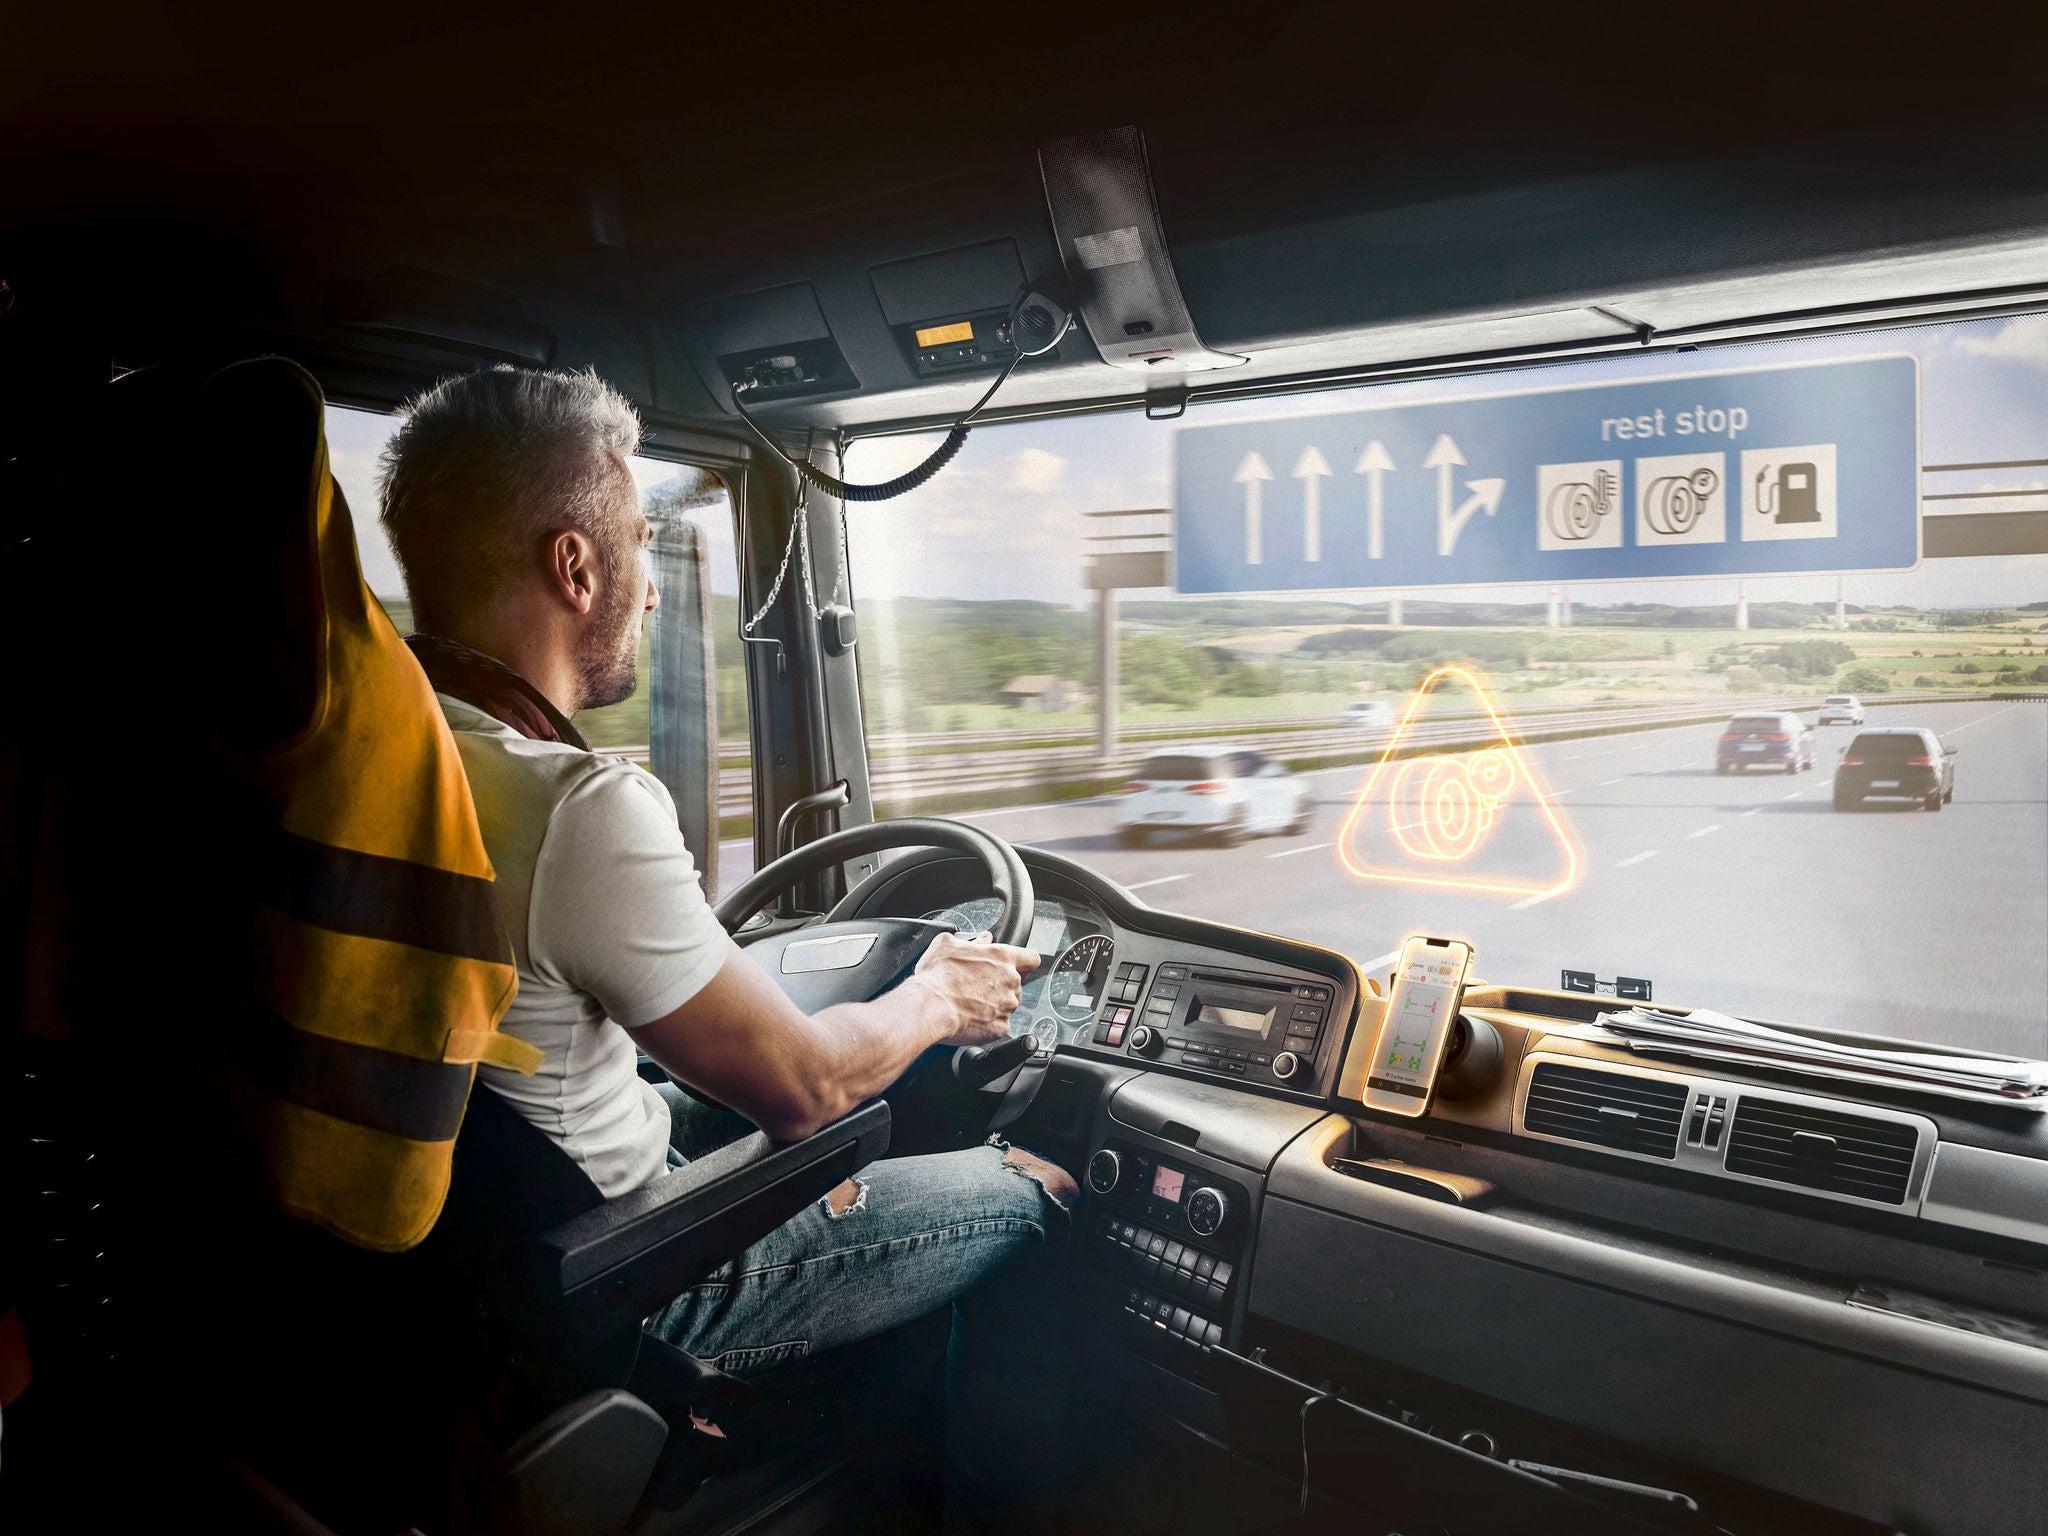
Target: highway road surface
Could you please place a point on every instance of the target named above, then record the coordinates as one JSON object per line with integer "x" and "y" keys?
{"x": 1746, "y": 893}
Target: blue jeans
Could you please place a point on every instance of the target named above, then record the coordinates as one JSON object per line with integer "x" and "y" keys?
{"x": 923, "y": 1232}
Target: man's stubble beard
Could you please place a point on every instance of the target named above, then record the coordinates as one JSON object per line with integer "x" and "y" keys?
{"x": 608, "y": 667}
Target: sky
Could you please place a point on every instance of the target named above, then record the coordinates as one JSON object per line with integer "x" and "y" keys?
{"x": 1006, "y": 518}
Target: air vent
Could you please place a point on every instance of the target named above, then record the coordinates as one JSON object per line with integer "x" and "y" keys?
{"x": 1615, "y": 1110}
{"x": 1822, "y": 1149}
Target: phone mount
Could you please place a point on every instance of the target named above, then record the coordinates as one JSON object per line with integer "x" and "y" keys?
{"x": 1472, "y": 1059}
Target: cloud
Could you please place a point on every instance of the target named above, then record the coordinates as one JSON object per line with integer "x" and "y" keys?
{"x": 1036, "y": 471}
{"x": 2023, "y": 339}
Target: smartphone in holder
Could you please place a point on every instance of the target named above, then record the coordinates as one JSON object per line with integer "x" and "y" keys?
{"x": 1400, "y": 1075}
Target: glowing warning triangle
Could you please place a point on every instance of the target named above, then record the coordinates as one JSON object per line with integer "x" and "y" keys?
{"x": 1454, "y": 801}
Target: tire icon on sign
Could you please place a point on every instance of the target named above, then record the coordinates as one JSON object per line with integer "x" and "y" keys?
{"x": 1672, "y": 504}
{"x": 1574, "y": 508}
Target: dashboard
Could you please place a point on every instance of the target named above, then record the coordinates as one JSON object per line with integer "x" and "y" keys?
{"x": 1121, "y": 981}
{"x": 1828, "y": 1267}
{"x": 1076, "y": 950}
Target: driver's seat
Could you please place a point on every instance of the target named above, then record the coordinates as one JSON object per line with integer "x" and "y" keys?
{"x": 495, "y": 1377}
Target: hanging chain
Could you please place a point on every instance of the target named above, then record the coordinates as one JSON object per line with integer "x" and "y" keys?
{"x": 799, "y": 545}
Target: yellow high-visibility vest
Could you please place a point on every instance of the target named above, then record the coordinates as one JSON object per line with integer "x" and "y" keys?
{"x": 376, "y": 966}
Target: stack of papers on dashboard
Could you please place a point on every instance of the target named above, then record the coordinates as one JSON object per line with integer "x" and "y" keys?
{"x": 1704, "y": 1035}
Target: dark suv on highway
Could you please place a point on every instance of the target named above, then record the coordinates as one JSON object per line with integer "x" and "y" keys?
{"x": 1782, "y": 741}
{"x": 1902, "y": 762}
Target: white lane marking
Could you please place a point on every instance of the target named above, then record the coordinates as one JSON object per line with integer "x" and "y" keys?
{"x": 1752, "y": 810}
{"x": 1637, "y": 858}
{"x": 1712, "y": 826}
{"x": 1014, "y": 810}
{"x": 1559, "y": 794}
{"x": 1958, "y": 730}
{"x": 1288, "y": 853}
{"x": 1607, "y": 783}
{"x": 1530, "y": 901}
{"x": 1144, "y": 885}
{"x": 1794, "y": 795}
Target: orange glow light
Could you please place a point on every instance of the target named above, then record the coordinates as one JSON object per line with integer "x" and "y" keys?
{"x": 1459, "y": 799}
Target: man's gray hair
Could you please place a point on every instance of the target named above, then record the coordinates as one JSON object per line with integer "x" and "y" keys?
{"x": 485, "y": 463}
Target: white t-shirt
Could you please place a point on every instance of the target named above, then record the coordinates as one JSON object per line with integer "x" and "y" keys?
{"x": 609, "y": 926}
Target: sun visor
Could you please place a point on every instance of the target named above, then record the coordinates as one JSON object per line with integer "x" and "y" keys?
{"x": 1105, "y": 214}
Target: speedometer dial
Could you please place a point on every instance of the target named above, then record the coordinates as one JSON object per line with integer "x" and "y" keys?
{"x": 1079, "y": 977}
{"x": 972, "y": 918}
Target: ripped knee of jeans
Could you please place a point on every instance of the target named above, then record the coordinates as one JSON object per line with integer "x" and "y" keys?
{"x": 1057, "y": 1184}
{"x": 847, "y": 1199}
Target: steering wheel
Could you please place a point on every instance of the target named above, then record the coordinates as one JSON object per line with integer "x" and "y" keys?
{"x": 850, "y": 960}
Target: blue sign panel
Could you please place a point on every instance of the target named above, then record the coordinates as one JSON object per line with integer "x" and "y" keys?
{"x": 1771, "y": 470}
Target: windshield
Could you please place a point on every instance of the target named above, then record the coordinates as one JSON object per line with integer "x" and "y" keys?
{"x": 1889, "y": 745}
{"x": 1760, "y": 529}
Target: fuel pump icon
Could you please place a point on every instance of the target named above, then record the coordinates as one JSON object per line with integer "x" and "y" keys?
{"x": 1788, "y": 493}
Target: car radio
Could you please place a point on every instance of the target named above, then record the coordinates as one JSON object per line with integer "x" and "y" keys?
{"x": 1247, "y": 1024}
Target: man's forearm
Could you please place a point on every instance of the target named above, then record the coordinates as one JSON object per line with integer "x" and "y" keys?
{"x": 745, "y": 1044}
{"x": 861, "y": 1048}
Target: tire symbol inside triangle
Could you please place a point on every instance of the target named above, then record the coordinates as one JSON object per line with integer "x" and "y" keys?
{"x": 1454, "y": 801}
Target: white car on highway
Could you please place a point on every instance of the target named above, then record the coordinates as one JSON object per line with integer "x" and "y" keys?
{"x": 1372, "y": 714}
{"x": 1841, "y": 709}
{"x": 1226, "y": 795}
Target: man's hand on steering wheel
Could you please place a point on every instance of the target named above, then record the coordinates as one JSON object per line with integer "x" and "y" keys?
{"x": 980, "y": 981}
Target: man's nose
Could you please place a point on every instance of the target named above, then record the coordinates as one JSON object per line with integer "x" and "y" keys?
{"x": 653, "y": 595}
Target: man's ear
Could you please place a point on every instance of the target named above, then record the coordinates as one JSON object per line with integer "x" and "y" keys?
{"x": 571, "y": 561}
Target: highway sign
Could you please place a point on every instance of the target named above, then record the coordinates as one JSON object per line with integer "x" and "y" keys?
{"x": 1807, "y": 468}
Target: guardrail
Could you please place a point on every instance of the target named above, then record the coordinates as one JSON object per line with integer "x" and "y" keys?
{"x": 965, "y": 779}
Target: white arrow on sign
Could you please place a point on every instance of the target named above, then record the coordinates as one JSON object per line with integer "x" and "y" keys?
{"x": 1485, "y": 494}
{"x": 1310, "y": 469}
{"x": 1373, "y": 463}
{"x": 1249, "y": 473}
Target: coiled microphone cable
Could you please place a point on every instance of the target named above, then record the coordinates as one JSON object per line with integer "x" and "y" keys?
{"x": 942, "y": 455}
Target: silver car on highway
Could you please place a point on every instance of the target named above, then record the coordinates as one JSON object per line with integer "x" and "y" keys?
{"x": 1225, "y": 795}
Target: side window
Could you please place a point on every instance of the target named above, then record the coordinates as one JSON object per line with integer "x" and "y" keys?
{"x": 674, "y": 497}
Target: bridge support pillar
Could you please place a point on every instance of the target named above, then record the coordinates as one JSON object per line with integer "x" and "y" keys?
{"x": 1106, "y": 669}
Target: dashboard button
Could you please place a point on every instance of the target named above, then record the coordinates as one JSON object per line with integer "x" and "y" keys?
{"x": 1207, "y": 1209}
{"x": 1224, "y": 1270}
{"x": 1285, "y": 1065}
{"x": 1205, "y": 1266}
{"x": 1114, "y": 1035}
{"x": 1235, "y": 1066}
{"x": 1171, "y": 1258}
{"x": 1173, "y": 973}
{"x": 1105, "y": 1168}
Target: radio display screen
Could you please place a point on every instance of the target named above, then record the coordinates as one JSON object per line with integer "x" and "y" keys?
{"x": 1166, "y": 1184}
{"x": 1233, "y": 1018}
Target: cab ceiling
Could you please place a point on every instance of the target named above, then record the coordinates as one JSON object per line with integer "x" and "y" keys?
{"x": 1344, "y": 186}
